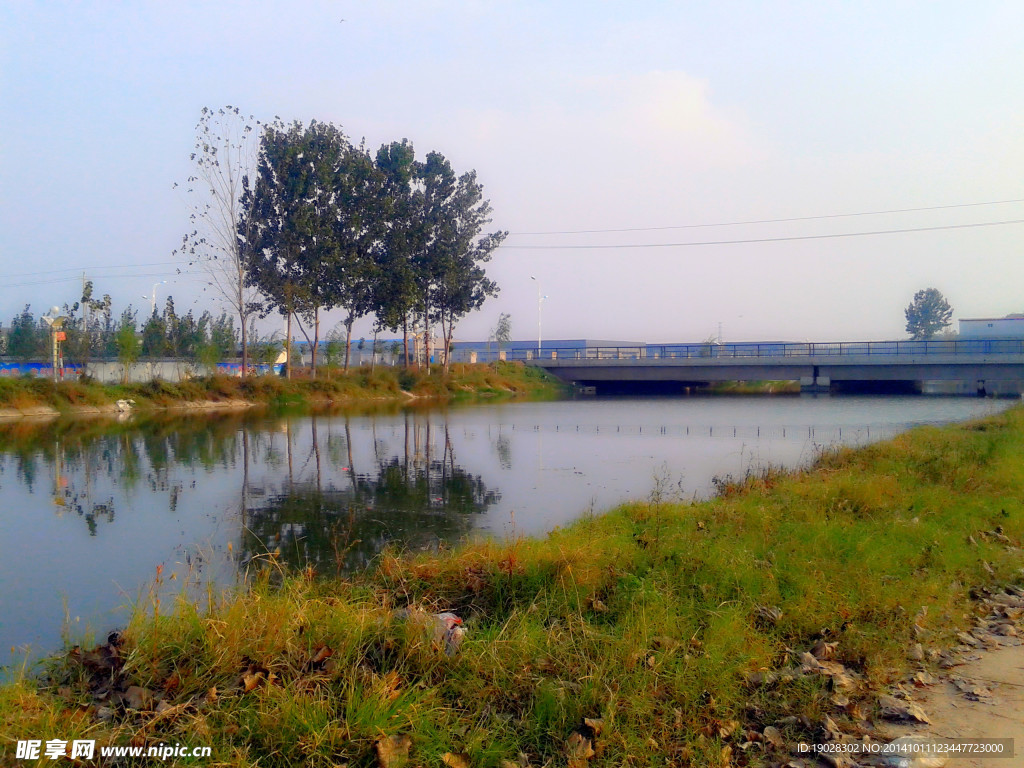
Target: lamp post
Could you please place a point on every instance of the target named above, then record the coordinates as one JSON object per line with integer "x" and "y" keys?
{"x": 540, "y": 302}
{"x": 57, "y": 333}
{"x": 152, "y": 298}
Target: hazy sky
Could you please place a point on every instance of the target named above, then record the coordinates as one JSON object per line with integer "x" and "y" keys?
{"x": 576, "y": 116}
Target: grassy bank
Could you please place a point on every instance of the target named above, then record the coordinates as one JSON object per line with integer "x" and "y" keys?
{"x": 331, "y": 386}
{"x": 658, "y": 634}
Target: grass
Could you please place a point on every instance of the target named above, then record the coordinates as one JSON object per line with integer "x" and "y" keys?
{"x": 640, "y": 632}
{"x": 332, "y": 386}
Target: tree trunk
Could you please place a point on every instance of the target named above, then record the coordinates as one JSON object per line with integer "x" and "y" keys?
{"x": 447, "y": 333}
{"x": 242, "y": 316}
{"x": 426, "y": 336}
{"x": 316, "y": 339}
{"x": 373, "y": 356}
{"x": 348, "y": 339}
{"x": 288, "y": 348}
{"x": 405, "y": 339}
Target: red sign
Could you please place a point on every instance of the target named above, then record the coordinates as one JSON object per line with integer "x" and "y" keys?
{"x": 60, "y": 336}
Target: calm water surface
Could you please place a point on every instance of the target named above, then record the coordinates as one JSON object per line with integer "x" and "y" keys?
{"x": 90, "y": 510}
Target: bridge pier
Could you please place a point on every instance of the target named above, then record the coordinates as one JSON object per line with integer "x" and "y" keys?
{"x": 815, "y": 383}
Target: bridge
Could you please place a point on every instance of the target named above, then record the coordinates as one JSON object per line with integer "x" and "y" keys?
{"x": 962, "y": 366}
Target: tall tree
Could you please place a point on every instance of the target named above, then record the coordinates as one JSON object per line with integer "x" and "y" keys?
{"x": 223, "y": 157}
{"x": 351, "y": 271}
{"x": 26, "y": 339}
{"x": 927, "y": 314}
{"x": 288, "y": 214}
{"x": 395, "y": 294}
{"x": 126, "y": 341}
{"x": 450, "y": 273}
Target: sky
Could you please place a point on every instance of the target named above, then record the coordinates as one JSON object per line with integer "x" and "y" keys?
{"x": 666, "y": 126}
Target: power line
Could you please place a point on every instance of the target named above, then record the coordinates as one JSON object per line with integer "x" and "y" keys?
{"x": 768, "y": 221}
{"x": 764, "y": 239}
{"x": 76, "y": 278}
{"x": 94, "y": 269}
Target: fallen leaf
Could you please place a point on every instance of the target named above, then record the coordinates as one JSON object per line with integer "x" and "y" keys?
{"x": 579, "y": 749}
{"x": 251, "y": 680}
{"x": 460, "y": 760}
{"x": 595, "y": 724}
{"x": 137, "y": 698}
{"x": 823, "y": 650}
{"x": 774, "y": 736}
{"x": 393, "y": 751}
{"x": 727, "y": 728}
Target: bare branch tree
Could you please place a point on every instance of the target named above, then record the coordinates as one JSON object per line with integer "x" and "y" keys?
{"x": 223, "y": 158}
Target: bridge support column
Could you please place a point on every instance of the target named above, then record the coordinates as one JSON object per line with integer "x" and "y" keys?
{"x": 816, "y": 383}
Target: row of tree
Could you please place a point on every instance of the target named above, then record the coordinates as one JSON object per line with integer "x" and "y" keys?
{"x": 93, "y": 333}
{"x": 306, "y": 222}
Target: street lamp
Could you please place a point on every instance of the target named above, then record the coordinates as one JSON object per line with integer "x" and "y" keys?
{"x": 152, "y": 298}
{"x": 540, "y": 302}
{"x": 58, "y": 334}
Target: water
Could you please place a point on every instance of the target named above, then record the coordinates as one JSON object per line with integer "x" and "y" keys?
{"x": 90, "y": 510}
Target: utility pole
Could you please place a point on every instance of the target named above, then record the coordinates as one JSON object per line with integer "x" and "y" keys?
{"x": 540, "y": 301}
{"x": 85, "y": 311}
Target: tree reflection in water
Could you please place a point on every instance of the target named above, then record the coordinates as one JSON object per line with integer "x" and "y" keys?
{"x": 298, "y": 485}
{"x": 341, "y": 517}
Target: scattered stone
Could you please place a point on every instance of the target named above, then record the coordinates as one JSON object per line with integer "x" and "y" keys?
{"x": 922, "y": 678}
{"x": 894, "y": 709}
{"x": 971, "y": 690}
{"x": 916, "y": 652}
{"x": 967, "y": 639}
{"x": 832, "y": 731}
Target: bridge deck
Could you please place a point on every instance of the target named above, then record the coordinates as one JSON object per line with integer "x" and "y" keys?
{"x": 968, "y": 361}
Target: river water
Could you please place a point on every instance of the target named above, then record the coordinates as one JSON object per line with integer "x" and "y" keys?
{"x": 90, "y": 510}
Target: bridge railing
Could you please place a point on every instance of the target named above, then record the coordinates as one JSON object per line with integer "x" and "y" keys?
{"x": 777, "y": 349}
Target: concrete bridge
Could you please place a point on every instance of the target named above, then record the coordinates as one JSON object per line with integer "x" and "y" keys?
{"x": 970, "y": 366}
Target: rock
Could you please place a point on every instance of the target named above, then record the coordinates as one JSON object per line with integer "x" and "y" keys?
{"x": 967, "y": 639}
{"x": 916, "y": 652}
{"x": 831, "y": 729}
{"x": 971, "y": 690}
{"x": 894, "y": 709}
{"x": 922, "y": 678}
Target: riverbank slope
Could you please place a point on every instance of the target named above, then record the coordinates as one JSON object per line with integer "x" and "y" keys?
{"x": 40, "y": 397}
{"x": 716, "y": 634}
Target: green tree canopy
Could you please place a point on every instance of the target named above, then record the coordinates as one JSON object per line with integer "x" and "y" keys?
{"x": 927, "y": 314}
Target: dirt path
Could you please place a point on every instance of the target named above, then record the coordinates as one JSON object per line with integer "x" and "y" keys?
{"x": 996, "y": 681}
